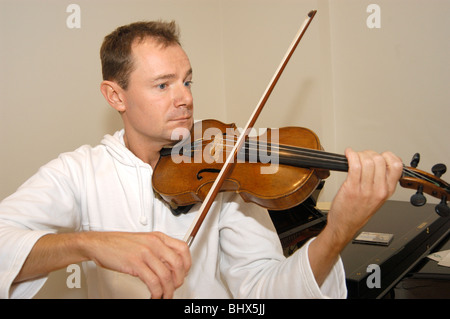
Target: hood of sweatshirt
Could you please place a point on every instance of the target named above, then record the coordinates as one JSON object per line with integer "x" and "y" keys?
{"x": 115, "y": 145}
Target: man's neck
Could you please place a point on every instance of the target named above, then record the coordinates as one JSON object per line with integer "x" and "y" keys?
{"x": 147, "y": 152}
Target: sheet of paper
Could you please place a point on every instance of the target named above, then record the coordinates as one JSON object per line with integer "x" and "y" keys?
{"x": 442, "y": 257}
{"x": 445, "y": 260}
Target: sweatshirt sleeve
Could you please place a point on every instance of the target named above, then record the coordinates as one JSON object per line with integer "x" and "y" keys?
{"x": 253, "y": 264}
{"x": 46, "y": 203}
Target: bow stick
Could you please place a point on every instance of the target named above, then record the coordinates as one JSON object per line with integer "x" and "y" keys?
{"x": 206, "y": 205}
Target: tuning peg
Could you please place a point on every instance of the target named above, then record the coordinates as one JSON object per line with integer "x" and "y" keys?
{"x": 442, "y": 208}
{"x": 418, "y": 199}
{"x": 415, "y": 160}
{"x": 439, "y": 170}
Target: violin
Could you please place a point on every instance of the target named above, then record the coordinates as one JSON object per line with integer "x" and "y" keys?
{"x": 275, "y": 175}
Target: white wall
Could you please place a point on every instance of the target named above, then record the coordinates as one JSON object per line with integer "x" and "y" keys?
{"x": 384, "y": 88}
{"x": 391, "y": 86}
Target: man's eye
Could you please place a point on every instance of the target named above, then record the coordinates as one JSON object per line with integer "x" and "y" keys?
{"x": 162, "y": 86}
{"x": 188, "y": 83}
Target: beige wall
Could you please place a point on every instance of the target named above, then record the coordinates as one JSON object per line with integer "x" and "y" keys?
{"x": 383, "y": 88}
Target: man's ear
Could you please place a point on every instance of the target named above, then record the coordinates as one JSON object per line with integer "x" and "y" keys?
{"x": 112, "y": 93}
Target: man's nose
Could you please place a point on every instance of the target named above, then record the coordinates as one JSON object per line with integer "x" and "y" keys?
{"x": 183, "y": 96}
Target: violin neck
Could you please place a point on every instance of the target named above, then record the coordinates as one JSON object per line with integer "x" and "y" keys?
{"x": 313, "y": 159}
{"x": 297, "y": 156}
{"x": 310, "y": 158}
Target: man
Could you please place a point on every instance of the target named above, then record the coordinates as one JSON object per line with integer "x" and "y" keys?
{"x": 96, "y": 205}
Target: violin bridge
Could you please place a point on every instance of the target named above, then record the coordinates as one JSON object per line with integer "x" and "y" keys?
{"x": 216, "y": 150}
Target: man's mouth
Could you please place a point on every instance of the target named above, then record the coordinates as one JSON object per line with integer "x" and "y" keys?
{"x": 181, "y": 119}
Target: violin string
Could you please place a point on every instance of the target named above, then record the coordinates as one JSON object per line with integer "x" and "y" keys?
{"x": 418, "y": 175}
{"x": 288, "y": 151}
{"x": 287, "y": 148}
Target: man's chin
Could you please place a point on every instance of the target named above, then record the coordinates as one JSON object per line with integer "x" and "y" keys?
{"x": 181, "y": 132}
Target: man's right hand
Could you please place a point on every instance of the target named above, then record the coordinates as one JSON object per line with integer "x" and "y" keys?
{"x": 160, "y": 261}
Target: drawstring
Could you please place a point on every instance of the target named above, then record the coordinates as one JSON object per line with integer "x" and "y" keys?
{"x": 143, "y": 219}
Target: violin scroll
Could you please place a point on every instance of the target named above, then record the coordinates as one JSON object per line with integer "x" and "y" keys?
{"x": 423, "y": 182}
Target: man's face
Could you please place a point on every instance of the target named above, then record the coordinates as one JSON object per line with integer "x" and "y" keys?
{"x": 158, "y": 98}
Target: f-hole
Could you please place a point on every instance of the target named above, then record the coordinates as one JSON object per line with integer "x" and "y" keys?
{"x": 207, "y": 170}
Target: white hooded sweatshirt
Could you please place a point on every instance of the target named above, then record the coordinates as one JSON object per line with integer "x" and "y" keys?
{"x": 236, "y": 253}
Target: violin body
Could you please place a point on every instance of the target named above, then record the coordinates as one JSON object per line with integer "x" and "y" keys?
{"x": 185, "y": 174}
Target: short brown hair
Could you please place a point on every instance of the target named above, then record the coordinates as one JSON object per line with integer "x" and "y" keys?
{"x": 115, "y": 53}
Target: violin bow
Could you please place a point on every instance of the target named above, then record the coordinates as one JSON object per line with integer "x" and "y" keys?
{"x": 215, "y": 188}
